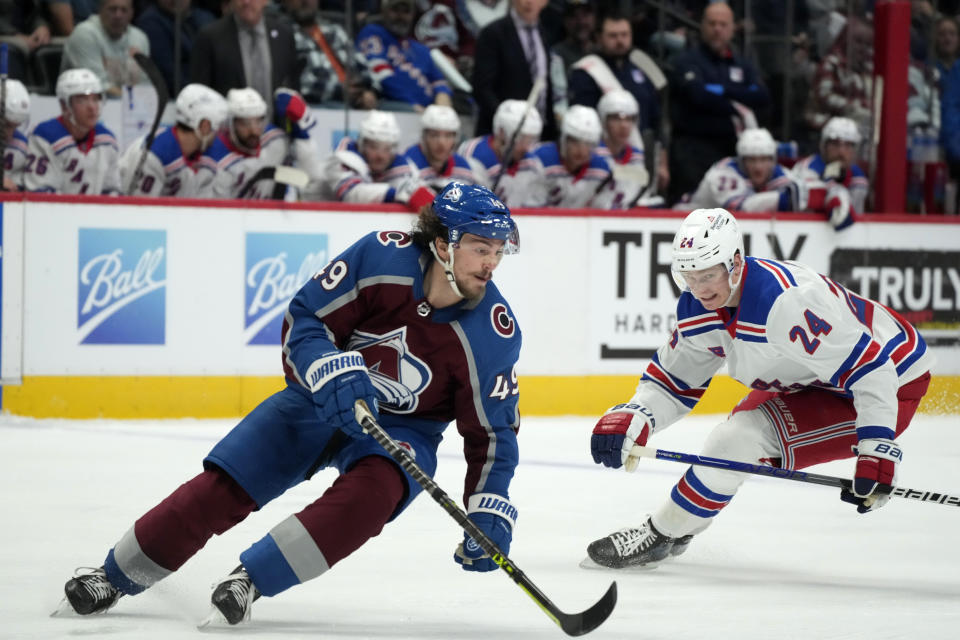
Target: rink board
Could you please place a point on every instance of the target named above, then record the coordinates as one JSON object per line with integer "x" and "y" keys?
{"x": 167, "y": 308}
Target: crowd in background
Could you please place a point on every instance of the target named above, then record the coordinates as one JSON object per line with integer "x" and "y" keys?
{"x": 631, "y": 103}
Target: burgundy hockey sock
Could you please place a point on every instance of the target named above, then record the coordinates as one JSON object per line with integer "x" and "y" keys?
{"x": 354, "y": 508}
{"x": 174, "y": 530}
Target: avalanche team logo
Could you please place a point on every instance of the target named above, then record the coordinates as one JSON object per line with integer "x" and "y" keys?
{"x": 277, "y": 265}
{"x": 502, "y": 322}
{"x": 398, "y": 376}
{"x": 121, "y": 286}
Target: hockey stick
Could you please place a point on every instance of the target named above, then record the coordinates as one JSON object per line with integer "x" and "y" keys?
{"x": 282, "y": 175}
{"x": 574, "y": 624}
{"x": 508, "y": 152}
{"x": 790, "y": 474}
{"x": 3, "y": 110}
{"x": 163, "y": 96}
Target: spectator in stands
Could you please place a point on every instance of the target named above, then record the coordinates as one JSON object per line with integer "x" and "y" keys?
{"x": 246, "y": 49}
{"x": 74, "y": 153}
{"x": 452, "y": 27}
{"x": 401, "y": 65}
{"x": 329, "y": 60}
{"x": 946, "y": 49}
{"x": 17, "y": 111}
{"x": 835, "y": 168}
{"x": 159, "y": 23}
{"x": 511, "y": 55}
{"x": 579, "y": 23}
{"x": 105, "y": 43}
{"x": 436, "y": 162}
{"x": 713, "y": 94}
{"x": 502, "y": 161}
{"x": 619, "y": 112}
{"x": 23, "y": 29}
{"x": 65, "y": 15}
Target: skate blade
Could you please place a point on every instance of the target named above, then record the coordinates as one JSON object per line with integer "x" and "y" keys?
{"x": 588, "y": 563}
{"x": 213, "y": 621}
{"x": 63, "y": 609}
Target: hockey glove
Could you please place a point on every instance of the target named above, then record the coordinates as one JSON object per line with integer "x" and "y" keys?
{"x": 496, "y": 517}
{"x": 621, "y": 427}
{"x": 292, "y": 110}
{"x": 838, "y": 207}
{"x": 877, "y": 460}
{"x": 337, "y": 381}
{"x": 414, "y": 193}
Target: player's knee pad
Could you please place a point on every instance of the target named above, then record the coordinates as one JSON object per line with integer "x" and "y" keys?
{"x": 745, "y": 436}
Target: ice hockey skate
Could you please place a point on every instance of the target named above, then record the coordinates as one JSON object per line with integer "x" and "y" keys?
{"x": 640, "y": 547}
{"x": 232, "y": 598}
{"x": 89, "y": 591}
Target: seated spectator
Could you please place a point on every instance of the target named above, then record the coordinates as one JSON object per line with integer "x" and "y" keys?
{"x": 401, "y": 65}
{"x": 330, "y": 61}
{"x": 579, "y": 22}
{"x": 619, "y": 111}
{"x": 946, "y": 49}
{"x": 65, "y": 15}
{"x": 436, "y": 162}
{"x": 175, "y": 165}
{"x": 752, "y": 181}
{"x": 502, "y": 161}
{"x": 835, "y": 168}
{"x": 249, "y": 144}
{"x": 714, "y": 93}
{"x": 23, "y": 29}
{"x": 105, "y": 43}
{"x": 570, "y": 174}
{"x": 159, "y": 23}
{"x": 370, "y": 170}
{"x": 17, "y": 111}
{"x": 841, "y": 86}
{"x": 73, "y": 153}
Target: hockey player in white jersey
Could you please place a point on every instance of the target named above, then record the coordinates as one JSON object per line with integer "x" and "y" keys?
{"x": 832, "y": 375}
{"x": 370, "y": 170}
{"x": 516, "y": 131}
{"x": 835, "y": 168}
{"x": 570, "y": 174}
{"x": 74, "y": 153}
{"x": 175, "y": 165}
{"x": 17, "y": 112}
{"x": 436, "y": 162}
{"x": 752, "y": 181}
{"x": 619, "y": 114}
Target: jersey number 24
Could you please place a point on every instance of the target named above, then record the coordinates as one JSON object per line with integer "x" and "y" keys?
{"x": 816, "y": 324}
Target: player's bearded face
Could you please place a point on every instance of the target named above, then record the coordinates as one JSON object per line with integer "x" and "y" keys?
{"x": 378, "y": 155}
{"x": 474, "y": 261}
{"x": 759, "y": 169}
{"x": 711, "y": 286}
{"x": 576, "y": 153}
{"x": 839, "y": 150}
{"x": 438, "y": 144}
{"x": 248, "y": 131}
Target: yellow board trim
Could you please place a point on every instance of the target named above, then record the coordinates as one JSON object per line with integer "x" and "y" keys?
{"x": 123, "y": 397}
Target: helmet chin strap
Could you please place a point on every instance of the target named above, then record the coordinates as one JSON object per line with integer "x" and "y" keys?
{"x": 447, "y": 267}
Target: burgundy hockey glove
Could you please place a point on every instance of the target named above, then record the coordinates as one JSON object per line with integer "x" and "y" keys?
{"x": 877, "y": 460}
{"x": 621, "y": 427}
{"x": 337, "y": 381}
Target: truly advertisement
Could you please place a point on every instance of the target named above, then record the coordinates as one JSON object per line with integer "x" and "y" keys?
{"x": 121, "y": 286}
{"x": 277, "y": 265}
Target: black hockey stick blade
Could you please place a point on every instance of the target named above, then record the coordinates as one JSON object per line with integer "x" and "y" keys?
{"x": 574, "y": 624}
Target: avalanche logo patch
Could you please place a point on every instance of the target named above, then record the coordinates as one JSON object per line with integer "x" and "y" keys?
{"x": 121, "y": 286}
{"x": 277, "y": 265}
{"x": 503, "y": 324}
{"x": 398, "y": 238}
{"x": 398, "y": 376}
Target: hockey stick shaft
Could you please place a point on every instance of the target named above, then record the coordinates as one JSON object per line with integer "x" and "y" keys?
{"x": 511, "y": 145}
{"x": 573, "y": 624}
{"x": 163, "y": 96}
{"x": 791, "y": 474}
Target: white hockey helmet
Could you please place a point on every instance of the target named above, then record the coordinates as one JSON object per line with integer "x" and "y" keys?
{"x": 17, "y": 102}
{"x": 245, "y": 103}
{"x": 379, "y": 126}
{"x": 581, "y": 122}
{"x": 440, "y": 118}
{"x": 838, "y": 128}
{"x": 78, "y": 82}
{"x": 707, "y": 237}
{"x": 508, "y": 116}
{"x": 197, "y": 102}
{"x": 756, "y": 142}
{"x": 618, "y": 102}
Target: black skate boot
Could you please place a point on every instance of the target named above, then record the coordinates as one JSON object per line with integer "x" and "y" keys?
{"x": 233, "y": 596}
{"x": 643, "y": 546}
{"x": 680, "y": 544}
{"x": 91, "y": 592}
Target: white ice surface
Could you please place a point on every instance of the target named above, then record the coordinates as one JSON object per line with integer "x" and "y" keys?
{"x": 784, "y": 560}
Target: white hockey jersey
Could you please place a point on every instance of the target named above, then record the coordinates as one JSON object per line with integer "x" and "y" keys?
{"x": 554, "y": 186}
{"x": 166, "y": 172}
{"x": 456, "y": 169}
{"x": 57, "y": 163}
{"x": 630, "y": 178}
{"x": 811, "y": 170}
{"x": 793, "y": 329}
{"x": 513, "y": 186}
{"x": 15, "y": 159}
{"x": 235, "y": 167}
{"x": 347, "y": 177}
{"x": 726, "y": 185}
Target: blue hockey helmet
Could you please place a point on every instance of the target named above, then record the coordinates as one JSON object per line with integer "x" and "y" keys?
{"x": 470, "y": 208}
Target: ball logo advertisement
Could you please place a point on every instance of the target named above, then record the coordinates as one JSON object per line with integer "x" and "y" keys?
{"x": 277, "y": 265}
{"x": 121, "y": 286}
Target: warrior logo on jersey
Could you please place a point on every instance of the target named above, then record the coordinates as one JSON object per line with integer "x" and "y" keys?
{"x": 503, "y": 324}
{"x": 398, "y": 376}
{"x": 121, "y": 286}
{"x": 277, "y": 265}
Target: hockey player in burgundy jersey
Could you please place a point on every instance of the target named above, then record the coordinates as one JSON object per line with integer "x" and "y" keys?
{"x": 833, "y": 375}
{"x": 413, "y": 325}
